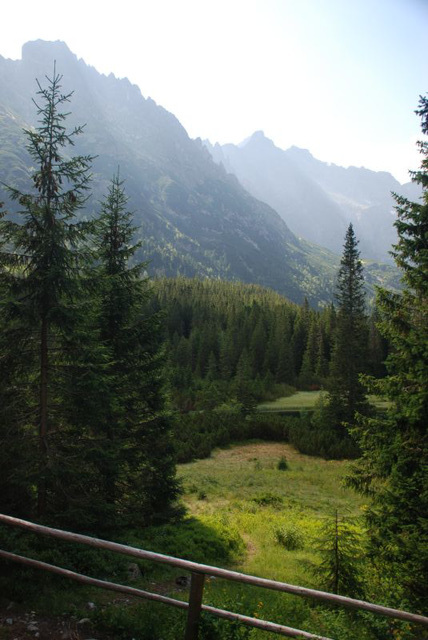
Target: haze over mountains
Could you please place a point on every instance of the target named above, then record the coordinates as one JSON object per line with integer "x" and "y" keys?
{"x": 194, "y": 218}
{"x": 318, "y": 200}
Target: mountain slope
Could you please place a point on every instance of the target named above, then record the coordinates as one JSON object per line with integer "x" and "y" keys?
{"x": 316, "y": 199}
{"x": 193, "y": 217}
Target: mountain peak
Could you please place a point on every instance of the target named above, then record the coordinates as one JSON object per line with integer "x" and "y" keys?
{"x": 39, "y": 50}
{"x": 258, "y": 138}
{"x": 258, "y": 135}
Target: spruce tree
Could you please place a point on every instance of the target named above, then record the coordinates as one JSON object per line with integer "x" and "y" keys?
{"x": 243, "y": 385}
{"x": 40, "y": 266}
{"x": 137, "y": 463}
{"x": 346, "y": 394}
{"x": 394, "y": 462}
{"x": 341, "y": 551}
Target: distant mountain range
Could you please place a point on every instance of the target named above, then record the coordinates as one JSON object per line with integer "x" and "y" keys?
{"x": 318, "y": 200}
{"x": 193, "y": 217}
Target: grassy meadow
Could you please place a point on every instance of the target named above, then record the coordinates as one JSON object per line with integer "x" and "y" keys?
{"x": 307, "y": 401}
{"x": 271, "y": 509}
{"x": 299, "y": 401}
{"x": 256, "y": 507}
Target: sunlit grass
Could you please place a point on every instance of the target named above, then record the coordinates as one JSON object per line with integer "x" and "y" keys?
{"x": 238, "y": 494}
{"x": 307, "y": 400}
{"x": 234, "y": 484}
{"x": 299, "y": 401}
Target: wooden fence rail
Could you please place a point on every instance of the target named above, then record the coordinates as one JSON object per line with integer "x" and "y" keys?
{"x": 198, "y": 573}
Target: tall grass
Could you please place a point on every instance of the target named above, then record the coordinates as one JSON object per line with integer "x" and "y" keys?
{"x": 244, "y": 513}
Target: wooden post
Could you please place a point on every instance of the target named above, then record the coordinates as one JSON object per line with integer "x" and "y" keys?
{"x": 195, "y": 604}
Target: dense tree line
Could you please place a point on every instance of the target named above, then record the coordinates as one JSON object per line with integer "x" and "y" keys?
{"x": 242, "y": 343}
{"x": 84, "y": 438}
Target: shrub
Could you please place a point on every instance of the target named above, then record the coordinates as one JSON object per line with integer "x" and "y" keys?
{"x": 205, "y": 540}
{"x": 282, "y": 464}
{"x": 289, "y": 537}
{"x": 269, "y": 500}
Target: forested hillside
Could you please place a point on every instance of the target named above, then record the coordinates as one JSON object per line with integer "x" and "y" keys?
{"x": 192, "y": 217}
{"x": 230, "y": 341}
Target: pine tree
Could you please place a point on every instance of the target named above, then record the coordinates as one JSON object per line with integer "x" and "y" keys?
{"x": 393, "y": 467}
{"x": 346, "y": 394}
{"x": 41, "y": 261}
{"x": 138, "y": 463}
{"x": 242, "y": 384}
{"x": 341, "y": 552}
{"x": 307, "y": 376}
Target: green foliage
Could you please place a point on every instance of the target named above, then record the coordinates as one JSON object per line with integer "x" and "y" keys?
{"x": 344, "y": 624}
{"x": 282, "y": 464}
{"x": 341, "y": 554}
{"x": 41, "y": 305}
{"x": 196, "y": 434}
{"x": 22, "y": 584}
{"x": 291, "y": 538}
{"x": 234, "y": 342}
{"x": 209, "y": 540}
{"x": 232, "y": 345}
{"x": 316, "y": 437}
{"x": 346, "y": 394}
{"x": 145, "y": 621}
{"x": 136, "y": 460}
{"x": 394, "y": 459}
{"x": 309, "y": 490}
{"x": 269, "y": 499}
{"x": 84, "y": 434}
{"x": 213, "y": 628}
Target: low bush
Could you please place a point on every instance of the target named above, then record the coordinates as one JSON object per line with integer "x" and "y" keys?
{"x": 269, "y": 500}
{"x": 196, "y": 434}
{"x": 289, "y": 537}
{"x": 282, "y": 464}
{"x": 207, "y": 540}
{"x": 21, "y": 582}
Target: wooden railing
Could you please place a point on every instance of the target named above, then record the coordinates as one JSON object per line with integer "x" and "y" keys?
{"x": 198, "y": 573}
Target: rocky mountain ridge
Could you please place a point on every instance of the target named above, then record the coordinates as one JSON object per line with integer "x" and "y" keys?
{"x": 318, "y": 200}
{"x": 193, "y": 217}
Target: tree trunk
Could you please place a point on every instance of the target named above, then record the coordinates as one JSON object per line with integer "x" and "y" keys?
{"x": 43, "y": 426}
{"x": 336, "y": 555}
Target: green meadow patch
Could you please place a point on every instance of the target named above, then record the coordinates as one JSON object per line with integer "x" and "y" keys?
{"x": 307, "y": 401}
{"x": 243, "y": 485}
{"x": 299, "y": 401}
{"x": 248, "y": 511}
{"x": 279, "y": 514}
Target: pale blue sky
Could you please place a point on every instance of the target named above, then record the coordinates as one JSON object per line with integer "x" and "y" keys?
{"x": 339, "y": 77}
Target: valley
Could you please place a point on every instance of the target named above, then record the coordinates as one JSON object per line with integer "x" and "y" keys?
{"x": 205, "y": 351}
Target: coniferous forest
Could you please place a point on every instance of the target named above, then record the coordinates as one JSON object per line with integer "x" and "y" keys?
{"x": 110, "y": 378}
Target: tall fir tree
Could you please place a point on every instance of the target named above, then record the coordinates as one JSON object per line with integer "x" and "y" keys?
{"x": 346, "y": 394}
{"x": 243, "y": 385}
{"x": 138, "y": 463}
{"x": 41, "y": 259}
{"x": 394, "y": 462}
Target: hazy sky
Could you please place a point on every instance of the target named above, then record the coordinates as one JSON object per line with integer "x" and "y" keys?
{"x": 339, "y": 77}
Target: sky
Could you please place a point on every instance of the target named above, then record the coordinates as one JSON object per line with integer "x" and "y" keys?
{"x": 341, "y": 78}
